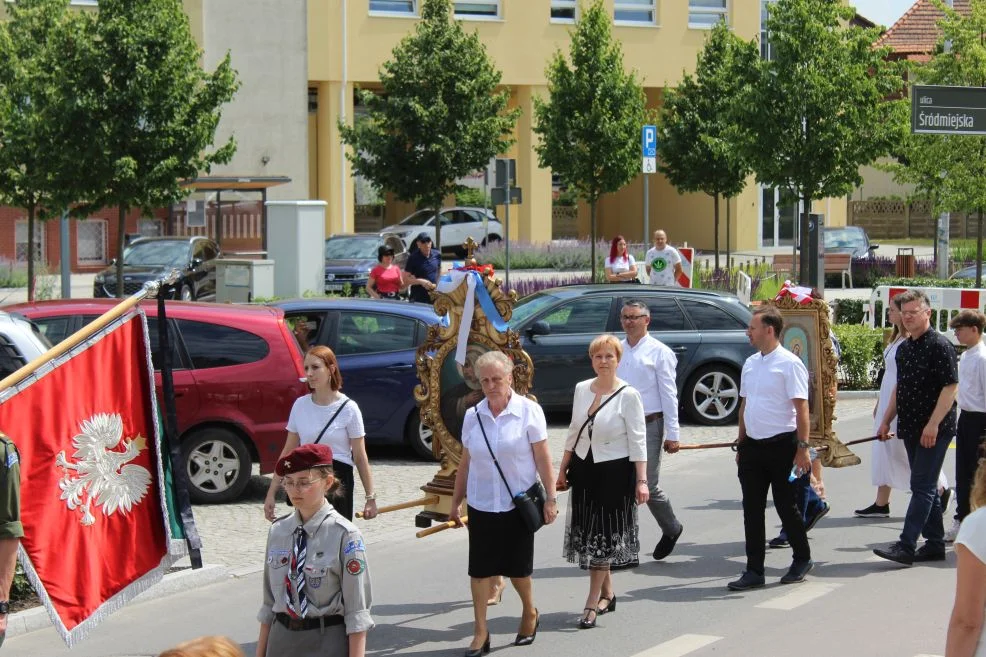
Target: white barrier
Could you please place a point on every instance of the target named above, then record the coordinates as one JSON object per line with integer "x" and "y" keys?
{"x": 946, "y": 302}
{"x": 744, "y": 287}
{"x": 687, "y": 254}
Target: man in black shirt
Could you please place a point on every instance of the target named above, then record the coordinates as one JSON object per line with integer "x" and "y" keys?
{"x": 924, "y": 403}
{"x": 422, "y": 267}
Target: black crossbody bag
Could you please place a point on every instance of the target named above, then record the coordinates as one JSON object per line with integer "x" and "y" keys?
{"x": 572, "y": 472}
{"x": 322, "y": 433}
{"x": 530, "y": 503}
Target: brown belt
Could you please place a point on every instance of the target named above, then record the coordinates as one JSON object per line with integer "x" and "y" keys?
{"x": 653, "y": 416}
{"x": 301, "y": 624}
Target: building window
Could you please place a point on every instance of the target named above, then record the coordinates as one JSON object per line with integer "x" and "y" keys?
{"x": 400, "y": 7}
{"x": 477, "y": 8}
{"x": 704, "y": 14}
{"x": 636, "y": 12}
{"x": 150, "y": 227}
{"x": 90, "y": 242}
{"x": 563, "y": 11}
{"x": 765, "y": 49}
{"x": 20, "y": 241}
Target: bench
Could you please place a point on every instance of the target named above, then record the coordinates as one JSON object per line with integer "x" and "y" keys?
{"x": 835, "y": 263}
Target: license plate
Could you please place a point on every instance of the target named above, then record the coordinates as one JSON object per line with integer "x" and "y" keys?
{"x": 333, "y": 287}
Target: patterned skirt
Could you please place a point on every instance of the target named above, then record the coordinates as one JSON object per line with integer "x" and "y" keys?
{"x": 601, "y": 528}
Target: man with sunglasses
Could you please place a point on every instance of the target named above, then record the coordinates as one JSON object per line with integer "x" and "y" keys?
{"x": 649, "y": 366}
{"x": 924, "y": 403}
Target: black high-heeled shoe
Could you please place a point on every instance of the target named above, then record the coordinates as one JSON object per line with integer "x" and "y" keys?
{"x": 526, "y": 640}
{"x": 610, "y": 606}
{"x": 584, "y": 622}
{"x": 480, "y": 651}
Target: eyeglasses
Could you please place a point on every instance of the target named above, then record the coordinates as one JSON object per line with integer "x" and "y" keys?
{"x": 300, "y": 485}
{"x": 914, "y": 313}
{"x": 632, "y": 318}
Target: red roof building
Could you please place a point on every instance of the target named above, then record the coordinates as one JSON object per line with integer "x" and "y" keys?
{"x": 915, "y": 35}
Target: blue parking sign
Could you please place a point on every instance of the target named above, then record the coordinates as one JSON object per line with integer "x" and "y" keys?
{"x": 648, "y": 141}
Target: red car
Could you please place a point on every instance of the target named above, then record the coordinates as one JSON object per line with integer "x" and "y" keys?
{"x": 237, "y": 371}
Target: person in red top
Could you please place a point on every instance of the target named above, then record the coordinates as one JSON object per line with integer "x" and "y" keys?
{"x": 386, "y": 280}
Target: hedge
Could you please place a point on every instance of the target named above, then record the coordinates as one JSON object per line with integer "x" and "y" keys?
{"x": 862, "y": 356}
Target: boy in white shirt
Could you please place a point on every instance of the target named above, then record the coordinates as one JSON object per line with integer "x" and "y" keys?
{"x": 968, "y": 326}
{"x": 663, "y": 263}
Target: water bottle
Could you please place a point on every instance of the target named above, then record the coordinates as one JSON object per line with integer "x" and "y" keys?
{"x": 796, "y": 473}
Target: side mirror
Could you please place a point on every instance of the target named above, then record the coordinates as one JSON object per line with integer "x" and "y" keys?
{"x": 196, "y": 262}
{"x": 540, "y": 327}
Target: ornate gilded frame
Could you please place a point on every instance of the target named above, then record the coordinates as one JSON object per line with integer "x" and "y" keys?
{"x": 814, "y": 317}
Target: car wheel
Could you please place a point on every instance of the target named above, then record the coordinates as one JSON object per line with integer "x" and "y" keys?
{"x": 217, "y": 464}
{"x": 491, "y": 239}
{"x": 712, "y": 395}
{"x": 187, "y": 293}
{"x": 418, "y": 436}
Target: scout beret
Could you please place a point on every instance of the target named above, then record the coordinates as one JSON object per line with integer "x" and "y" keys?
{"x": 304, "y": 458}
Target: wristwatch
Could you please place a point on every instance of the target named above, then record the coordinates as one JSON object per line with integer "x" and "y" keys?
{"x": 803, "y": 445}
{"x": 4, "y": 607}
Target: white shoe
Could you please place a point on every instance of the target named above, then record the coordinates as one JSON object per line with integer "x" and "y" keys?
{"x": 953, "y": 531}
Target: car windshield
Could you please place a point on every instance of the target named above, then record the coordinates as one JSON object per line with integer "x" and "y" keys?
{"x": 420, "y": 218}
{"x": 157, "y": 253}
{"x": 843, "y": 238}
{"x": 347, "y": 248}
{"x": 530, "y": 306}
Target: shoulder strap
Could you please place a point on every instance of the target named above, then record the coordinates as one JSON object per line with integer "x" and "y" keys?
{"x": 331, "y": 420}
{"x": 479, "y": 420}
{"x": 592, "y": 415}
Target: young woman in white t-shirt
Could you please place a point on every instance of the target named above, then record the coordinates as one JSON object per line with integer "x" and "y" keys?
{"x": 620, "y": 265}
{"x": 967, "y": 629}
{"x": 331, "y": 418}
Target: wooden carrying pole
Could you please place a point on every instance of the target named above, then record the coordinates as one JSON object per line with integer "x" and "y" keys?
{"x": 440, "y": 528}
{"x": 734, "y": 444}
{"x": 87, "y": 331}
{"x": 430, "y": 499}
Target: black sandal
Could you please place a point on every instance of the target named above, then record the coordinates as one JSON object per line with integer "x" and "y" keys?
{"x": 585, "y": 623}
{"x": 610, "y": 605}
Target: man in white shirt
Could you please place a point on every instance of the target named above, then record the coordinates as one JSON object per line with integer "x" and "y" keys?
{"x": 968, "y": 326}
{"x": 649, "y": 366}
{"x": 772, "y": 444}
{"x": 663, "y": 263}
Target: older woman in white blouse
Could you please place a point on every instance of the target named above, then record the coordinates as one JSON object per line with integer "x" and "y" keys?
{"x": 605, "y": 464}
{"x": 512, "y": 428}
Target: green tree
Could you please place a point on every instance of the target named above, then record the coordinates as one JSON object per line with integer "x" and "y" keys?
{"x": 952, "y": 168}
{"x": 438, "y": 116}
{"x": 698, "y": 142}
{"x": 819, "y": 108}
{"x": 41, "y": 47}
{"x": 589, "y": 126}
{"x": 154, "y": 110}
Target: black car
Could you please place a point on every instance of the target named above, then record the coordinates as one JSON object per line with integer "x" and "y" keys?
{"x": 150, "y": 258}
{"x": 350, "y": 257}
{"x": 706, "y": 330}
{"x": 848, "y": 239}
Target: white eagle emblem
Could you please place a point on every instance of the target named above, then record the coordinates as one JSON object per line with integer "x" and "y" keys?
{"x": 100, "y": 473}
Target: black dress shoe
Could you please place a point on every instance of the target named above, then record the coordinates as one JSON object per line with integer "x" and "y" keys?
{"x": 610, "y": 605}
{"x": 796, "y": 573}
{"x": 528, "y": 639}
{"x": 480, "y": 651}
{"x": 666, "y": 544}
{"x": 779, "y": 541}
{"x": 924, "y": 553}
{"x": 748, "y": 580}
{"x": 584, "y": 622}
{"x": 895, "y": 552}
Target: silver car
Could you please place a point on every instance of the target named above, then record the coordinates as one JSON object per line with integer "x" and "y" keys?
{"x": 458, "y": 224}
{"x": 21, "y": 342}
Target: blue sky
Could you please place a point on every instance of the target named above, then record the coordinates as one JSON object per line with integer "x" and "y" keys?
{"x": 882, "y": 12}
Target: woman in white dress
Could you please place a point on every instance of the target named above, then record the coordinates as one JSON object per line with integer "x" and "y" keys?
{"x": 889, "y": 467}
{"x": 967, "y": 629}
{"x": 620, "y": 265}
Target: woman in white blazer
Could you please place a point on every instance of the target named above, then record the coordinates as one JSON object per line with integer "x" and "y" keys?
{"x": 605, "y": 465}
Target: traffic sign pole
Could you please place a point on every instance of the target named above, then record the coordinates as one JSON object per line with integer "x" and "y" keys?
{"x": 648, "y": 148}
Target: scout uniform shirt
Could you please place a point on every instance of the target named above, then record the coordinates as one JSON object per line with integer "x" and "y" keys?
{"x": 10, "y": 490}
{"x": 337, "y": 581}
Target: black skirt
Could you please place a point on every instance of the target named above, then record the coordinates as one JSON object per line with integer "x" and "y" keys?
{"x": 499, "y": 544}
{"x": 601, "y": 528}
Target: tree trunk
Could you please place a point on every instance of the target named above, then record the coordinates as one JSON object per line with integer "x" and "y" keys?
{"x": 30, "y": 253}
{"x": 803, "y": 240}
{"x": 121, "y": 238}
{"x": 438, "y": 228}
{"x": 592, "y": 238}
{"x": 728, "y": 265}
{"x": 979, "y": 247}
{"x": 715, "y": 224}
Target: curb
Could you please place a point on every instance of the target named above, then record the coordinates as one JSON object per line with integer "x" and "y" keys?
{"x": 857, "y": 394}
{"x": 32, "y": 620}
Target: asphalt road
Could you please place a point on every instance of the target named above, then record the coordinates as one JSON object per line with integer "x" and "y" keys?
{"x": 852, "y": 604}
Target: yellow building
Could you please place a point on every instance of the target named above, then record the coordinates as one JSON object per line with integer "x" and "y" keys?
{"x": 350, "y": 39}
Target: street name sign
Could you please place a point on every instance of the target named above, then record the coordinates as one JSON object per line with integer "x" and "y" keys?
{"x": 648, "y": 147}
{"x": 948, "y": 110}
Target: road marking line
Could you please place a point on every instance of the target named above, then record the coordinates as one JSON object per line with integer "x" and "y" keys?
{"x": 679, "y": 646}
{"x": 803, "y": 594}
{"x": 924, "y": 655}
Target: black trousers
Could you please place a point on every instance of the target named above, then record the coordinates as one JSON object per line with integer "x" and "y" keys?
{"x": 766, "y": 464}
{"x": 972, "y": 427}
{"x": 343, "y": 500}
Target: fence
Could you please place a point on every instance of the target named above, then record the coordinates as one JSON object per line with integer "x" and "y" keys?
{"x": 946, "y": 302}
{"x": 564, "y": 222}
{"x": 896, "y": 219}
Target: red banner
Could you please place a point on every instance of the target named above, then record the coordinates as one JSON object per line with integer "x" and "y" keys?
{"x": 95, "y": 528}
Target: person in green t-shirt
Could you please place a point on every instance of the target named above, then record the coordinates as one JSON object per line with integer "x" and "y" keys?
{"x": 11, "y": 529}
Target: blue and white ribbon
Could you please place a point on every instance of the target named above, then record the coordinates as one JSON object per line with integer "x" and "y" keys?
{"x": 475, "y": 290}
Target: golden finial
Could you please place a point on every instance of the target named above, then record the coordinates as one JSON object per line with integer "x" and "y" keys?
{"x": 470, "y": 245}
